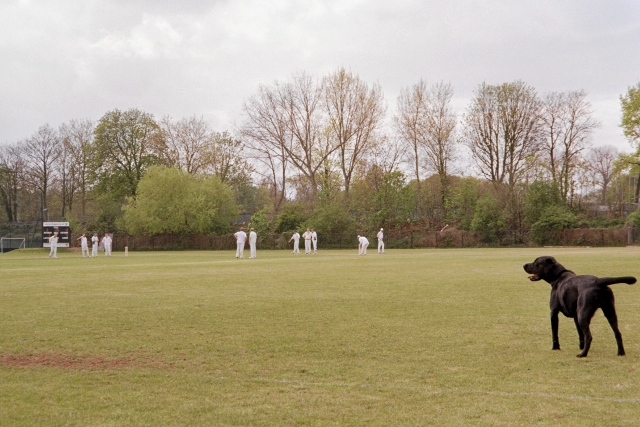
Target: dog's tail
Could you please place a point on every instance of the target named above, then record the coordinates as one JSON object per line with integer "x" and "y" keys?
{"x": 606, "y": 281}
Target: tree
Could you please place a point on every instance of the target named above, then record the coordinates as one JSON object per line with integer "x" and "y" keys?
{"x": 174, "y": 202}
{"x": 489, "y": 218}
{"x": 355, "y": 113}
{"x": 539, "y": 196}
{"x": 602, "y": 164}
{"x": 77, "y": 140}
{"x": 409, "y": 122}
{"x": 40, "y": 153}
{"x": 11, "y": 177}
{"x": 503, "y": 127}
{"x": 225, "y": 159}
{"x": 187, "y": 142}
{"x": 569, "y": 124}
{"x": 439, "y": 133}
{"x": 631, "y": 114}
{"x": 126, "y": 144}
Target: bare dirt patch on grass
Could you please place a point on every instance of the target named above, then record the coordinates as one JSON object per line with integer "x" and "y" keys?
{"x": 77, "y": 362}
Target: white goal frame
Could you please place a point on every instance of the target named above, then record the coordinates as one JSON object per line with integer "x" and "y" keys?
{"x": 21, "y": 246}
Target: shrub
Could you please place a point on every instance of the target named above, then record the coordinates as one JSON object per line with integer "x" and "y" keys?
{"x": 548, "y": 229}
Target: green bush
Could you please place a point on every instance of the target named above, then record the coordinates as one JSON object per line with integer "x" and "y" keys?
{"x": 291, "y": 218}
{"x": 489, "y": 219}
{"x": 548, "y": 229}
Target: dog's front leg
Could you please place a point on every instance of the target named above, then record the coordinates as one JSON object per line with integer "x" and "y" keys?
{"x": 580, "y": 335}
{"x": 554, "y": 330}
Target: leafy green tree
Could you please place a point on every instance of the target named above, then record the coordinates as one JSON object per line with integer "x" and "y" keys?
{"x": 540, "y": 195}
{"x": 260, "y": 222}
{"x": 489, "y": 218}
{"x": 631, "y": 128}
{"x": 383, "y": 198}
{"x": 332, "y": 219}
{"x": 554, "y": 219}
{"x": 461, "y": 203}
{"x": 126, "y": 143}
{"x": 291, "y": 218}
{"x": 174, "y": 202}
{"x": 631, "y": 114}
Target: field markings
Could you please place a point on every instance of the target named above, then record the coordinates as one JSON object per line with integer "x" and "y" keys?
{"x": 437, "y": 391}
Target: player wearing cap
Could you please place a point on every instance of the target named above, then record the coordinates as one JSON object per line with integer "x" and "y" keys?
{"x": 362, "y": 247}
{"x": 253, "y": 238}
{"x": 94, "y": 244}
{"x": 314, "y": 240}
{"x": 380, "y": 237}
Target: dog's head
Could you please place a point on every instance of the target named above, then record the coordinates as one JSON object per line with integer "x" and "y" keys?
{"x": 544, "y": 268}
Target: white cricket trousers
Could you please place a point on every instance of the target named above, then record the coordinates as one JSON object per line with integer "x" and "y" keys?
{"x": 315, "y": 246}
{"x": 363, "y": 249}
{"x": 307, "y": 246}
{"x": 296, "y": 247}
{"x": 85, "y": 250}
{"x": 240, "y": 250}
{"x": 252, "y": 246}
{"x": 107, "y": 250}
{"x": 380, "y": 246}
{"x": 54, "y": 251}
{"x": 94, "y": 249}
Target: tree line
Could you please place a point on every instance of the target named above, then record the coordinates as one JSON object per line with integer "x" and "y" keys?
{"x": 325, "y": 151}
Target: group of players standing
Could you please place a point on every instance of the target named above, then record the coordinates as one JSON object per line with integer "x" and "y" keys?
{"x": 310, "y": 239}
{"x": 95, "y": 240}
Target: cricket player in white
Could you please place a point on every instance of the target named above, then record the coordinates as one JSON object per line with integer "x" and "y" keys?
{"x": 314, "y": 240}
{"x": 94, "y": 244}
{"x": 380, "y": 237}
{"x": 253, "y": 238}
{"x": 106, "y": 242}
{"x": 53, "y": 242}
{"x": 241, "y": 237}
{"x": 307, "y": 242}
{"x": 84, "y": 245}
{"x": 296, "y": 243}
{"x": 363, "y": 245}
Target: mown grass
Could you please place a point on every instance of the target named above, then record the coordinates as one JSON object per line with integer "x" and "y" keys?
{"x": 414, "y": 337}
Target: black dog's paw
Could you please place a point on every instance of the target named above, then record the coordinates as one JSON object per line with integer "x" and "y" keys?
{"x": 581, "y": 355}
{"x": 556, "y": 346}
{"x": 621, "y": 353}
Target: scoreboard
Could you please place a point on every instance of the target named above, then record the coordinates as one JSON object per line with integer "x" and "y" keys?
{"x": 64, "y": 233}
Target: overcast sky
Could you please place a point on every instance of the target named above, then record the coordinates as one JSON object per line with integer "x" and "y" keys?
{"x": 66, "y": 59}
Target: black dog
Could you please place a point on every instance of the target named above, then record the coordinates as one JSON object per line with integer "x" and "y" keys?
{"x": 578, "y": 297}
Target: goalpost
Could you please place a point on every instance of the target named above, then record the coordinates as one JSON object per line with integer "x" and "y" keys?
{"x": 10, "y": 243}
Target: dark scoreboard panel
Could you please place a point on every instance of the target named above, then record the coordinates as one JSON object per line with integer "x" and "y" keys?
{"x": 64, "y": 233}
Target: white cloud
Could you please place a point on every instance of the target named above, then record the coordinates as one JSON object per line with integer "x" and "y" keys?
{"x": 73, "y": 59}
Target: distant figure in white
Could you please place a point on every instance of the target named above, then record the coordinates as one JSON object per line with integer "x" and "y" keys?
{"x": 106, "y": 243}
{"x": 53, "y": 242}
{"x": 253, "y": 238}
{"x": 362, "y": 247}
{"x": 307, "y": 241}
{"x": 380, "y": 237}
{"x": 94, "y": 244}
{"x": 241, "y": 237}
{"x": 84, "y": 245}
{"x": 296, "y": 243}
{"x": 314, "y": 240}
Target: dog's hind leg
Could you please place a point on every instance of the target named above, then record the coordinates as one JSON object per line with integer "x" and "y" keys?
{"x": 580, "y": 336}
{"x": 609, "y": 311}
{"x": 584, "y": 319}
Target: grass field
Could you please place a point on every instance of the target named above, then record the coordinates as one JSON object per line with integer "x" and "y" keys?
{"x": 414, "y": 337}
